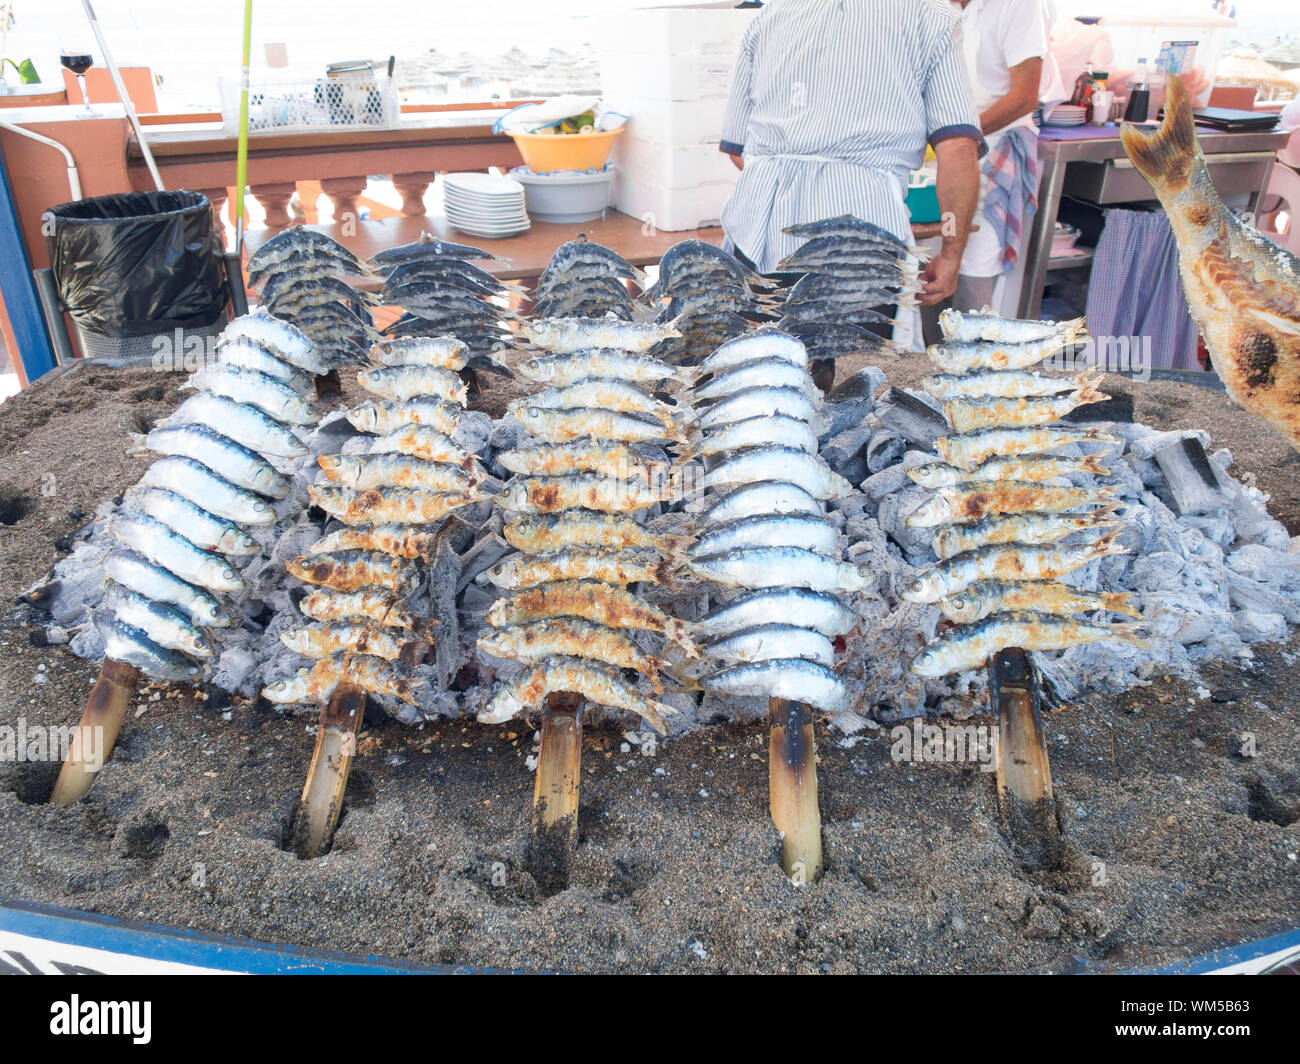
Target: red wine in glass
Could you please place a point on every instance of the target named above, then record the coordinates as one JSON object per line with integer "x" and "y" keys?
{"x": 79, "y": 62}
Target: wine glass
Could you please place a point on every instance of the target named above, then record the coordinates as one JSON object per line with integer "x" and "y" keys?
{"x": 75, "y": 56}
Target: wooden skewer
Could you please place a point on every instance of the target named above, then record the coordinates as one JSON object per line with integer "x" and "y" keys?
{"x": 1024, "y": 773}
{"x": 96, "y": 735}
{"x": 555, "y": 795}
{"x": 792, "y": 769}
{"x": 327, "y": 778}
{"x": 1022, "y": 764}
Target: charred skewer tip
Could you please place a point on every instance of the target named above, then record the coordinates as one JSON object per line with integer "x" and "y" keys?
{"x": 792, "y": 771}
{"x": 97, "y": 733}
{"x": 327, "y": 778}
{"x": 555, "y": 794}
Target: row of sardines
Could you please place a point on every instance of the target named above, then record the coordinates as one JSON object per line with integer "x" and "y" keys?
{"x": 1009, "y": 523}
{"x": 186, "y": 529}
{"x": 407, "y": 473}
{"x": 574, "y": 616}
{"x": 761, "y": 535}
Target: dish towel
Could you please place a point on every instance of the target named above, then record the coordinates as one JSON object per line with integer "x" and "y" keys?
{"x": 1135, "y": 294}
{"x": 1012, "y": 166}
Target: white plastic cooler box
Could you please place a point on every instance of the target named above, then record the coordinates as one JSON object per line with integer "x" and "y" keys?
{"x": 670, "y": 70}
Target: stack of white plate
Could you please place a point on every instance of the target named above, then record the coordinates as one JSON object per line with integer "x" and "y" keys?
{"x": 1066, "y": 114}
{"x": 484, "y": 204}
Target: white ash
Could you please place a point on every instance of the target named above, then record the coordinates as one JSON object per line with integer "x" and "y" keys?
{"x": 1208, "y": 584}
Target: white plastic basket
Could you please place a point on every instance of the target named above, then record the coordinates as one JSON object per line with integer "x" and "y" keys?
{"x": 311, "y": 104}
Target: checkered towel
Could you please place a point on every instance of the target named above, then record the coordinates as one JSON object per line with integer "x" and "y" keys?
{"x": 1012, "y": 164}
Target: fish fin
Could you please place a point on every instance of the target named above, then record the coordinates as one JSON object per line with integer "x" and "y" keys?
{"x": 1092, "y": 464}
{"x": 679, "y": 632}
{"x": 136, "y": 444}
{"x": 1131, "y": 633}
{"x": 1164, "y": 155}
{"x": 1088, "y": 393}
{"x": 1106, "y": 545}
{"x": 1119, "y": 602}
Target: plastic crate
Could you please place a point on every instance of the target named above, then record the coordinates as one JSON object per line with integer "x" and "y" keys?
{"x": 672, "y": 209}
{"x": 674, "y": 166}
{"x": 311, "y": 104}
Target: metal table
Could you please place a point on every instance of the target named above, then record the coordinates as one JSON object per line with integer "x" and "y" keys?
{"x": 1097, "y": 169}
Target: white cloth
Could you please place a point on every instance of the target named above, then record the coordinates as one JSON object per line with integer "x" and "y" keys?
{"x": 827, "y": 126}
{"x": 997, "y": 35}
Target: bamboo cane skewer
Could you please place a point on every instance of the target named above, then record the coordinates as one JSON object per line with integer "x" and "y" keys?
{"x": 555, "y": 794}
{"x": 792, "y": 768}
{"x": 327, "y": 777}
{"x": 102, "y": 717}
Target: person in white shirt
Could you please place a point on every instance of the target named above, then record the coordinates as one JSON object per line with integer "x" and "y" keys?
{"x": 1006, "y": 44}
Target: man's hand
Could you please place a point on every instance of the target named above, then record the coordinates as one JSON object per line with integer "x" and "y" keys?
{"x": 939, "y": 279}
{"x": 738, "y": 159}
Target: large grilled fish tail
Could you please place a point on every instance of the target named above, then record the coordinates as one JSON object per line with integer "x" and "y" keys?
{"x": 1166, "y": 156}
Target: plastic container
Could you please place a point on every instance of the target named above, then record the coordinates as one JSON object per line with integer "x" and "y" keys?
{"x": 922, "y": 200}
{"x": 566, "y": 195}
{"x": 279, "y": 105}
{"x": 1134, "y": 37}
{"x": 545, "y": 153}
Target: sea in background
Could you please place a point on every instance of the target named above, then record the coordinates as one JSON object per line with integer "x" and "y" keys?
{"x": 508, "y": 47}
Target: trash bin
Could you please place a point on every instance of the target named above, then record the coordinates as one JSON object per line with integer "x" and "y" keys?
{"x": 135, "y": 266}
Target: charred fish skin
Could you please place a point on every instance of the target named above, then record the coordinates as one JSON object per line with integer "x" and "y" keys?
{"x": 590, "y": 600}
{"x": 969, "y": 414}
{"x": 593, "y": 681}
{"x": 813, "y": 610}
{"x": 971, "y": 502}
{"x": 1032, "y": 529}
{"x": 1242, "y": 289}
{"x": 970, "y": 647}
{"x": 990, "y": 328}
{"x": 370, "y": 673}
{"x": 562, "y": 426}
{"x": 327, "y": 638}
{"x": 607, "y": 566}
{"x": 971, "y": 449}
{"x": 443, "y": 352}
{"x": 386, "y": 416}
{"x": 396, "y": 506}
{"x": 535, "y": 641}
{"x": 423, "y": 441}
{"x": 587, "y": 454}
{"x": 1039, "y": 596}
{"x": 1013, "y": 561}
{"x": 1032, "y": 467}
{"x": 548, "y": 533}
{"x": 795, "y": 679}
{"x": 352, "y": 570}
{"x": 590, "y": 491}
{"x": 963, "y": 356}
{"x": 369, "y": 604}
{"x": 402, "y": 541}
{"x": 138, "y": 574}
{"x": 397, "y": 471}
{"x": 1005, "y": 384}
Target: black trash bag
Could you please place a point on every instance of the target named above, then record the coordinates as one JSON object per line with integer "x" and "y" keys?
{"x": 137, "y": 263}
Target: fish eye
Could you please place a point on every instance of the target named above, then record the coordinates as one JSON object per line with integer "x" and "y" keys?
{"x": 533, "y": 412}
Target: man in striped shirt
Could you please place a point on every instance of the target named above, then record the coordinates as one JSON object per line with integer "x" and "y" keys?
{"x": 831, "y": 107}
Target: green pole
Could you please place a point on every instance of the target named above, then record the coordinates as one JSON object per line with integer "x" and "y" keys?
{"x": 241, "y": 156}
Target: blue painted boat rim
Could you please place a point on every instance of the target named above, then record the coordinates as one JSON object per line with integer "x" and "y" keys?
{"x": 179, "y": 946}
